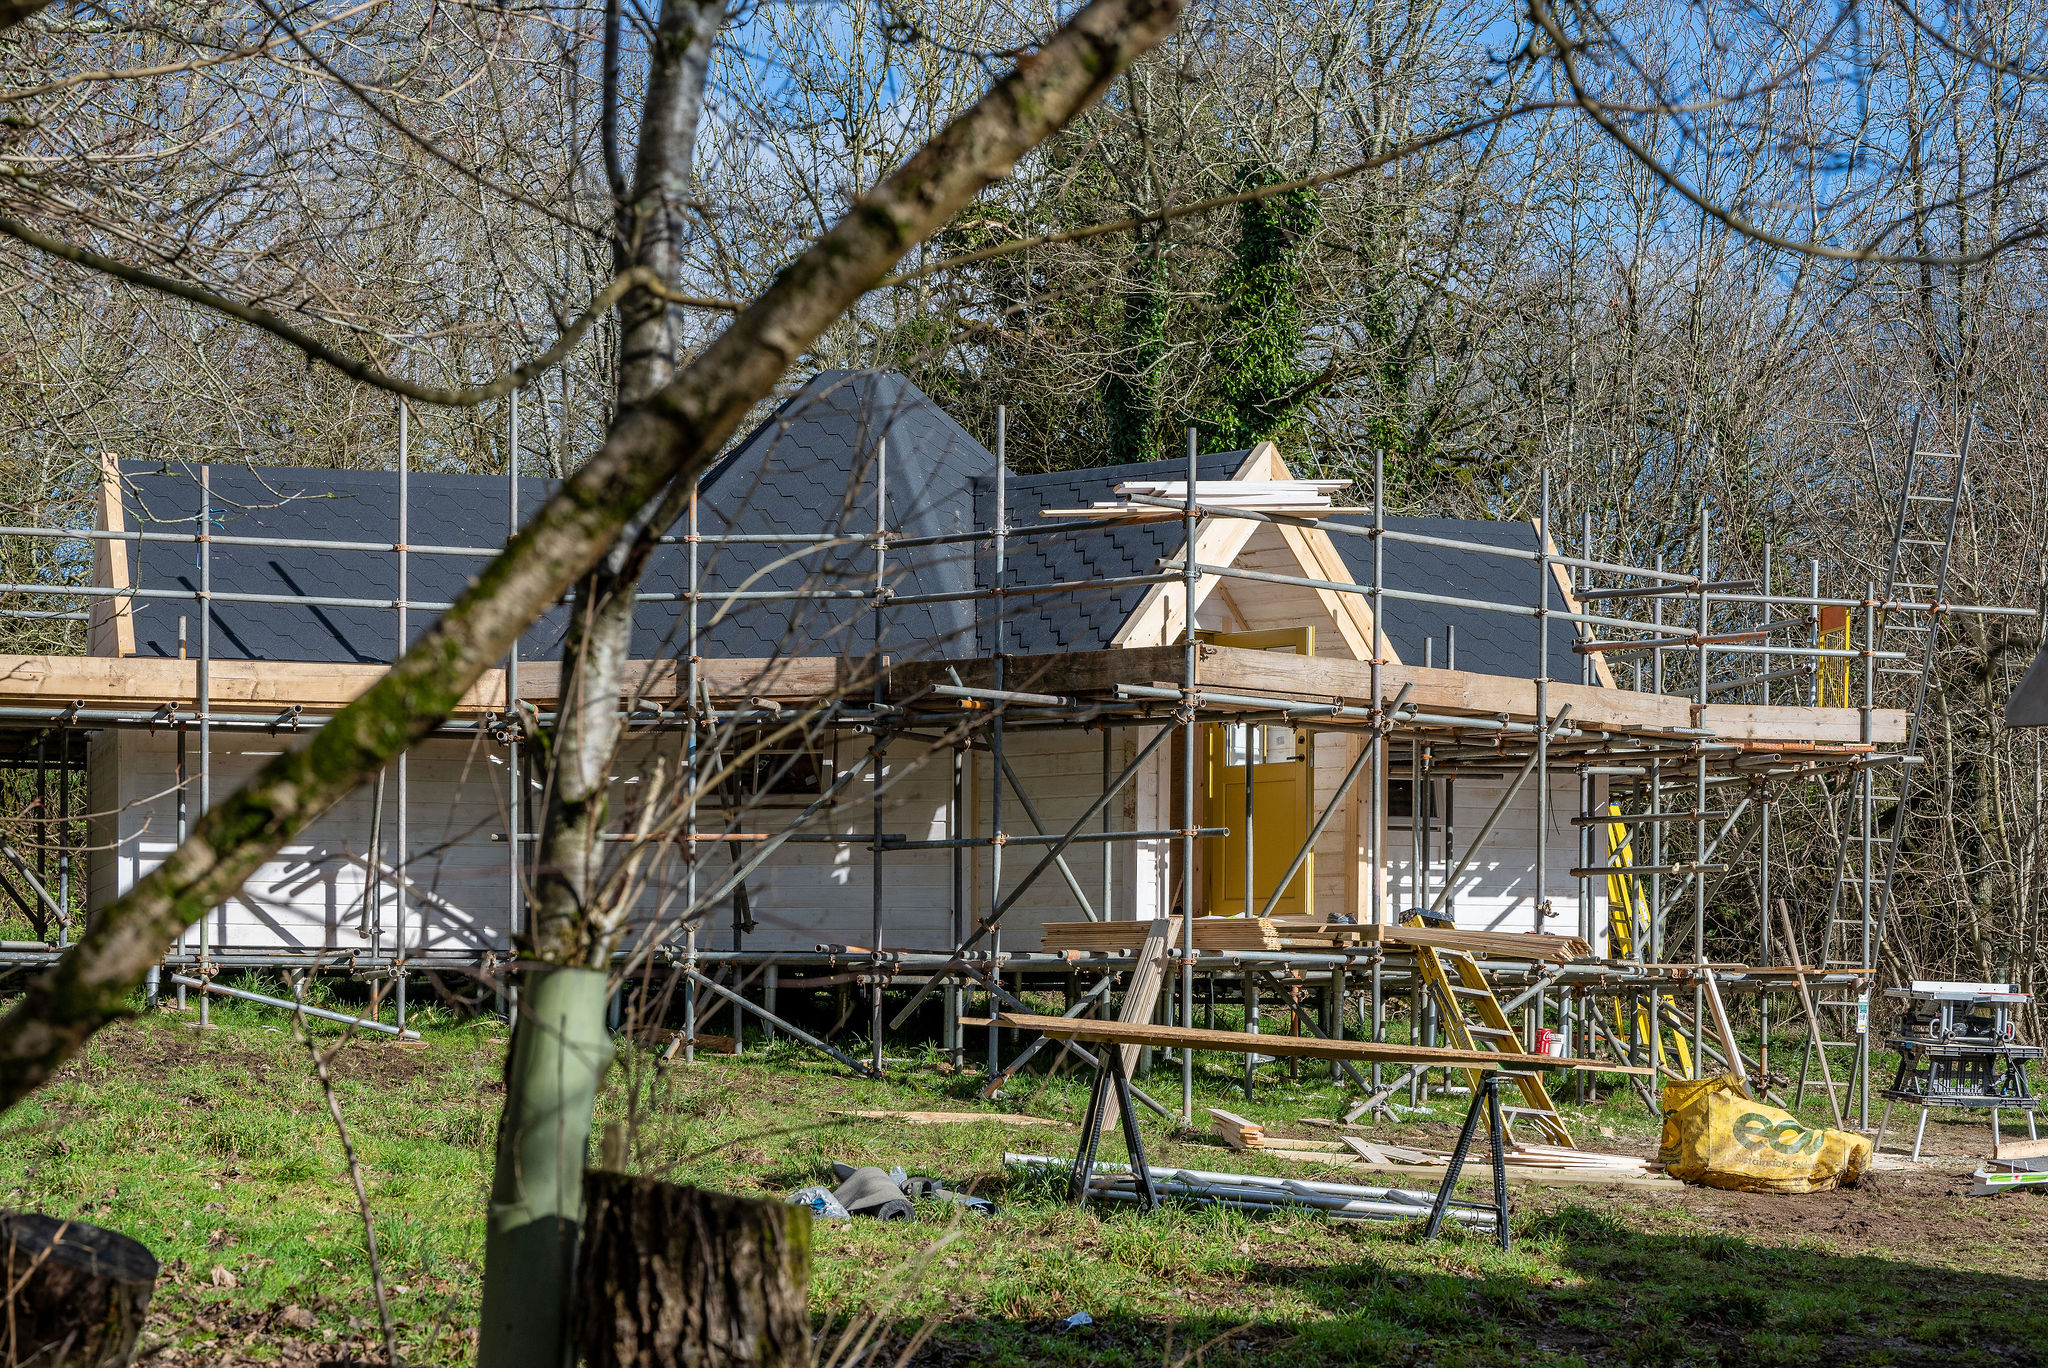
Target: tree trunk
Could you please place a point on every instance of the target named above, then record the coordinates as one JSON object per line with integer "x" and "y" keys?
{"x": 680, "y": 1276}
{"x": 560, "y": 1051}
{"x": 77, "y": 1293}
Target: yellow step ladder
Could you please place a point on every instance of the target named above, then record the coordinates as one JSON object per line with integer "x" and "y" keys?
{"x": 1473, "y": 1019}
{"x": 1626, "y": 911}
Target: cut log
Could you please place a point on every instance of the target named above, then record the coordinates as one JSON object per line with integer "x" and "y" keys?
{"x": 678, "y": 1275}
{"x": 79, "y": 1292}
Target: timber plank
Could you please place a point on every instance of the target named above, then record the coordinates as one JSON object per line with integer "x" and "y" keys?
{"x": 147, "y": 682}
{"x": 1141, "y": 997}
{"x": 1755, "y": 722}
{"x": 1529, "y": 945}
{"x": 1309, "y": 1047}
{"x": 1062, "y": 673}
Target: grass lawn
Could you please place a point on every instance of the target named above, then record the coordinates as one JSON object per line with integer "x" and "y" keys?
{"x": 215, "y": 1149}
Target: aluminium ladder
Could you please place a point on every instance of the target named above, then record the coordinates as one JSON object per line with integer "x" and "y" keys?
{"x": 1473, "y": 1019}
{"x": 1873, "y": 810}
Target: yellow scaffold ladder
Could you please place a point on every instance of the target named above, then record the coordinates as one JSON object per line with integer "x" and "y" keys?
{"x": 1473, "y": 1019}
{"x": 1627, "y": 910}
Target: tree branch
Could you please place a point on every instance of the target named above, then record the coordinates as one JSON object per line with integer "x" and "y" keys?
{"x": 1178, "y": 211}
{"x": 1567, "y": 51}
{"x": 672, "y": 436}
{"x": 363, "y": 372}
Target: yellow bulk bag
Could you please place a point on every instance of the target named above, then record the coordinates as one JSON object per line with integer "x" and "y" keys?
{"x": 1715, "y": 1136}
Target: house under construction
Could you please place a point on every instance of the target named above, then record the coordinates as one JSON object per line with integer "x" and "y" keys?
{"x": 959, "y": 732}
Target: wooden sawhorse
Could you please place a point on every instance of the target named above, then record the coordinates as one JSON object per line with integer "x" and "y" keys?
{"x": 1111, "y": 1081}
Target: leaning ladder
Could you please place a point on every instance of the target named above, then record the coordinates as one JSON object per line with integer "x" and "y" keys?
{"x": 1627, "y": 924}
{"x": 1473, "y": 1019}
{"x": 1873, "y": 812}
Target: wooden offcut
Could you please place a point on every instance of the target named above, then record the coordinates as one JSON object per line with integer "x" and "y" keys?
{"x": 2004, "y": 1148}
{"x": 680, "y": 1275}
{"x": 76, "y": 1294}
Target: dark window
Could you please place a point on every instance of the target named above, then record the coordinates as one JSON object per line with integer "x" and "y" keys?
{"x": 1401, "y": 800}
{"x": 785, "y": 768}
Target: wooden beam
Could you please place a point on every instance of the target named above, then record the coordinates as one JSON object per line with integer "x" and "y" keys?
{"x": 111, "y": 620}
{"x": 1754, "y": 721}
{"x": 1309, "y": 1047}
{"x": 147, "y": 682}
{"x": 1563, "y": 575}
{"x": 1141, "y": 996}
{"x": 1516, "y": 945}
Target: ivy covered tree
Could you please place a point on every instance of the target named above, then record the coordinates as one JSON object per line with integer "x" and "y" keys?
{"x": 1258, "y": 374}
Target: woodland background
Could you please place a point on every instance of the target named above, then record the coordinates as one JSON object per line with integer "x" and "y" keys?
{"x": 423, "y": 183}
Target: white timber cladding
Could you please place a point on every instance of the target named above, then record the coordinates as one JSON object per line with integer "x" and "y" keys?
{"x": 1498, "y": 889}
{"x": 311, "y": 895}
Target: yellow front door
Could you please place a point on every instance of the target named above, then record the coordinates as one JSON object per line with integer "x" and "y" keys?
{"x": 1283, "y": 788}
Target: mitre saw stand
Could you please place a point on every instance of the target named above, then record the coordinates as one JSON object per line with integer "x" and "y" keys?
{"x": 1957, "y": 1048}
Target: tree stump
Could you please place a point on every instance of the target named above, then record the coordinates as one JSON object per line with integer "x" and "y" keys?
{"x": 677, "y": 1277}
{"x": 79, "y": 1292}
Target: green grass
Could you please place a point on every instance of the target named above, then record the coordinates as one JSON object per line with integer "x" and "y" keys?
{"x": 215, "y": 1150}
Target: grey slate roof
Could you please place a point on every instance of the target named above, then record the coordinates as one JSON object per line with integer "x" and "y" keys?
{"x": 1488, "y": 642}
{"x": 1086, "y": 619}
{"x": 308, "y": 505}
{"x": 810, "y": 468}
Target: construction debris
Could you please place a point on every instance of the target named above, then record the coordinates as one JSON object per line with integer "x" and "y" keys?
{"x": 1258, "y": 1192}
{"x": 883, "y": 1194}
{"x": 1390, "y": 1154}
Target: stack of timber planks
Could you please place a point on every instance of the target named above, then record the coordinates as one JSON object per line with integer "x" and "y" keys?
{"x": 1211, "y": 933}
{"x": 1313, "y": 933}
{"x": 1308, "y": 497}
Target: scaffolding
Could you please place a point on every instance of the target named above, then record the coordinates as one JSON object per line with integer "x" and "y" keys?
{"x": 1697, "y": 801}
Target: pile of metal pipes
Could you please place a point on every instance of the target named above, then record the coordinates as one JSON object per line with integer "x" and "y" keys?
{"x": 1256, "y": 1192}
